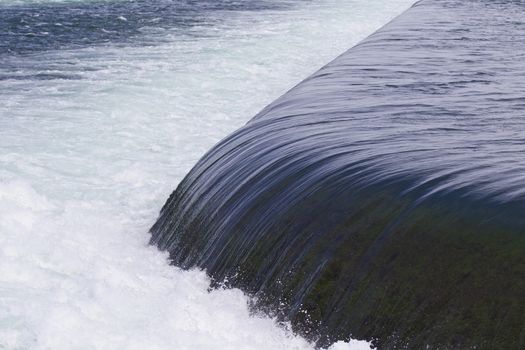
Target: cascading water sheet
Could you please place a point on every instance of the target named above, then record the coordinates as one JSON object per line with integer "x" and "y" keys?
{"x": 383, "y": 197}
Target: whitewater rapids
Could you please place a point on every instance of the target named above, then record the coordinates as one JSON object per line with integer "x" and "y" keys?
{"x": 93, "y": 139}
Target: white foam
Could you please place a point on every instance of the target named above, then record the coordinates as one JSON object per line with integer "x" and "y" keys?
{"x": 85, "y": 166}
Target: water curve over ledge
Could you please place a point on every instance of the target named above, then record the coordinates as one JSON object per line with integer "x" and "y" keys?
{"x": 383, "y": 198}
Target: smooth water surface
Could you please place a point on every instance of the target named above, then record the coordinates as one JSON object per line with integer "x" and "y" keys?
{"x": 384, "y": 196}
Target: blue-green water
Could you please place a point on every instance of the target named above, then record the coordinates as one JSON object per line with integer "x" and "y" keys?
{"x": 383, "y": 197}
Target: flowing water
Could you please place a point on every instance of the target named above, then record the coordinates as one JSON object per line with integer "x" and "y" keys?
{"x": 104, "y": 107}
{"x": 384, "y": 196}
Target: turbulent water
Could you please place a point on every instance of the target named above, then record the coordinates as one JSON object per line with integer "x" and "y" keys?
{"x": 104, "y": 106}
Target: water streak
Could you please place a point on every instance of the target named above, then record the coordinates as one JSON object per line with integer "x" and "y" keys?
{"x": 384, "y": 195}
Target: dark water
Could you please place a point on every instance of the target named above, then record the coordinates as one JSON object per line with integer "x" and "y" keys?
{"x": 35, "y": 27}
{"x": 384, "y": 197}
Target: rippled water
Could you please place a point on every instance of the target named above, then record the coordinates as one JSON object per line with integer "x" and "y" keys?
{"x": 384, "y": 195}
{"x": 45, "y": 26}
{"x": 104, "y": 107}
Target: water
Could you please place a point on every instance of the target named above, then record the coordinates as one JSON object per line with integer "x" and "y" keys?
{"x": 383, "y": 196}
{"x": 104, "y": 107}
